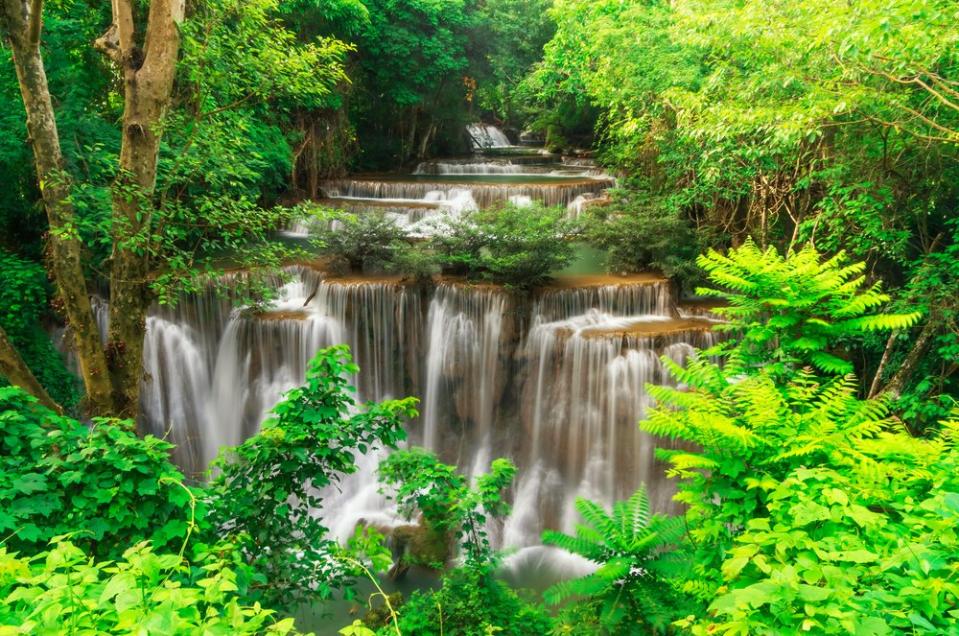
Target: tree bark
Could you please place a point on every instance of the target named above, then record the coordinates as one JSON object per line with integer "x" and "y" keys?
{"x": 16, "y": 371}
{"x": 887, "y": 352}
{"x": 902, "y": 376}
{"x": 21, "y": 20}
{"x": 148, "y": 75}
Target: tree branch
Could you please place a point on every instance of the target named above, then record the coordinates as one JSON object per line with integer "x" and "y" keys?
{"x": 16, "y": 371}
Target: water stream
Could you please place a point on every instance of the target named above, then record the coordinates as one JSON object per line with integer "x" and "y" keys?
{"x": 554, "y": 380}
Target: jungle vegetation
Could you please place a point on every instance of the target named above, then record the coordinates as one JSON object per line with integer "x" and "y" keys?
{"x": 798, "y": 161}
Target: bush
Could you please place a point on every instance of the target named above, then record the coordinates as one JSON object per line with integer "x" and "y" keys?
{"x": 515, "y": 246}
{"x": 471, "y": 603}
{"x": 640, "y": 235}
{"x": 445, "y": 499}
{"x": 630, "y": 592}
{"x": 106, "y": 489}
{"x": 24, "y": 293}
{"x": 809, "y": 509}
{"x": 361, "y": 242}
{"x": 268, "y": 490}
{"x": 102, "y": 485}
{"x": 64, "y": 590}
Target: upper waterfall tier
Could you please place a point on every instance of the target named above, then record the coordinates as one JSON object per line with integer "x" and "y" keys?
{"x": 485, "y": 191}
{"x": 484, "y": 136}
{"x": 472, "y": 167}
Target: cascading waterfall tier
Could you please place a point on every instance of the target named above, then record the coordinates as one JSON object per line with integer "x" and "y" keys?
{"x": 485, "y": 136}
{"x": 551, "y": 192}
{"x": 467, "y": 364}
{"x": 213, "y": 374}
{"x": 503, "y": 167}
{"x": 554, "y": 380}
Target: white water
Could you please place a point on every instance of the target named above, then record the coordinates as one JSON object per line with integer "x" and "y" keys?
{"x": 484, "y": 194}
{"x": 555, "y": 382}
{"x": 468, "y": 168}
{"x": 484, "y": 136}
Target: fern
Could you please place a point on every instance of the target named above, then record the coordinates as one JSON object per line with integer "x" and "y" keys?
{"x": 791, "y": 309}
{"x": 636, "y": 557}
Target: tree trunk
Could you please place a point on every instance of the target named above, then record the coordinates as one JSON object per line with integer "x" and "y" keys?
{"x": 21, "y": 21}
{"x": 16, "y": 371}
{"x": 148, "y": 75}
{"x": 901, "y": 378}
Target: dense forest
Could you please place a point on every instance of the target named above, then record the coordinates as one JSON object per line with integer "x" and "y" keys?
{"x": 474, "y": 317}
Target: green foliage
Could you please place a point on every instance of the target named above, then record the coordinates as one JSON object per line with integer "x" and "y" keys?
{"x": 266, "y": 492}
{"x": 65, "y": 590}
{"x": 809, "y": 509}
{"x": 243, "y": 81}
{"x": 796, "y": 310}
{"x": 635, "y": 552}
{"x": 102, "y": 485}
{"x": 930, "y": 394}
{"x": 471, "y": 603}
{"x": 790, "y": 122}
{"x": 508, "y": 41}
{"x": 446, "y": 501}
{"x": 368, "y": 241}
{"x": 516, "y": 246}
{"x": 410, "y": 90}
{"x": 24, "y": 293}
{"x": 640, "y": 235}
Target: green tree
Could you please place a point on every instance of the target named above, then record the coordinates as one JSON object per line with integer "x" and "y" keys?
{"x": 266, "y": 492}
{"x": 809, "y": 508}
{"x": 422, "y": 484}
{"x": 520, "y": 247}
{"x": 152, "y": 205}
{"x": 795, "y": 310}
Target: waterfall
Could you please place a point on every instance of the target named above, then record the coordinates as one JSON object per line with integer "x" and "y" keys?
{"x": 555, "y": 380}
{"x": 465, "y": 372}
{"x": 469, "y": 168}
{"x": 562, "y": 192}
{"x": 583, "y": 397}
{"x": 212, "y": 375}
{"x": 633, "y": 296}
{"x": 485, "y": 136}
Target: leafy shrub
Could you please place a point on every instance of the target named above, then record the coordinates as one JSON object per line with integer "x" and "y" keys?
{"x": 370, "y": 240}
{"x": 635, "y": 551}
{"x": 515, "y": 246}
{"x": 809, "y": 509}
{"x": 640, "y": 235}
{"x": 24, "y": 294}
{"x": 64, "y": 590}
{"x": 267, "y": 492}
{"x": 445, "y": 499}
{"x": 101, "y": 484}
{"x": 795, "y": 310}
{"x": 471, "y": 603}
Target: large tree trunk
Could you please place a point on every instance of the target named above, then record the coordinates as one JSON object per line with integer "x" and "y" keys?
{"x": 148, "y": 75}
{"x": 21, "y": 22}
{"x": 15, "y": 370}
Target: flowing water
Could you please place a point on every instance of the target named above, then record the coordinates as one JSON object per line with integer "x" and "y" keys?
{"x": 484, "y": 137}
{"x": 555, "y": 380}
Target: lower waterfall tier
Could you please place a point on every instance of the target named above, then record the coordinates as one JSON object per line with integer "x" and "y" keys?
{"x": 555, "y": 381}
